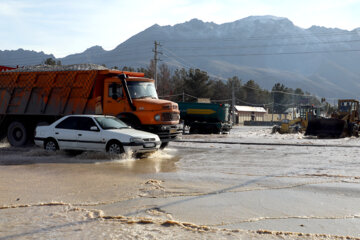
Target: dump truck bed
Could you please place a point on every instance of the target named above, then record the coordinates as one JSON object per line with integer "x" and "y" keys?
{"x": 48, "y": 92}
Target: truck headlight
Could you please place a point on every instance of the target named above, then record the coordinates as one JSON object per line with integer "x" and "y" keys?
{"x": 136, "y": 140}
{"x": 157, "y": 117}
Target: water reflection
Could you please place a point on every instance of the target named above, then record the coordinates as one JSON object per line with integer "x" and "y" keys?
{"x": 160, "y": 161}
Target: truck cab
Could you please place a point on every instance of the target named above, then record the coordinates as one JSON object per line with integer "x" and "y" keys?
{"x": 134, "y": 100}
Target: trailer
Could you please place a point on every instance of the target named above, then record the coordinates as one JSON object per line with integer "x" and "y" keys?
{"x": 29, "y": 98}
{"x": 205, "y": 117}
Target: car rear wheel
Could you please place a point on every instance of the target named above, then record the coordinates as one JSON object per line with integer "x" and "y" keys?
{"x": 115, "y": 148}
{"x": 50, "y": 145}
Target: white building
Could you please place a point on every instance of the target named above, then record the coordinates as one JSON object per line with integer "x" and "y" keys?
{"x": 247, "y": 113}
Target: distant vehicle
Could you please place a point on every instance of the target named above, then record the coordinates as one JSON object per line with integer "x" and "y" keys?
{"x": 205, "y": 118}
{"x": 95, "y": 133}
{"x": 300, "y": 124}
{"x": 344, "y": 122}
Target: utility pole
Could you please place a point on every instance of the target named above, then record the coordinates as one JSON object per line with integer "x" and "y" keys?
{"x": 155, "y": 50}
{"x": 273, "y": 105}
{"x": 233, "y": 102}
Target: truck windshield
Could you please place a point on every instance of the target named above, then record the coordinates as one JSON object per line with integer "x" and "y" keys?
{"x": 142, "y": 90}
{"x": 110, "y": 123}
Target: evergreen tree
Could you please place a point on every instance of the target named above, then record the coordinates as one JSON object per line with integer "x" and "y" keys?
{"x": 50, "y": 61}
{"x": 163, "y": 86}
{"x": 252, "y": 92}
{"x": 177, "y": 84}
{"x": 197, "y": 84}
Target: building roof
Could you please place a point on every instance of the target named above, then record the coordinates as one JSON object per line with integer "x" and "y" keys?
{"x": 250, "y": 109}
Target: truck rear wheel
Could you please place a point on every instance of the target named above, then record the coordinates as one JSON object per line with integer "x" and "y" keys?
{"x": 16, "y": 134}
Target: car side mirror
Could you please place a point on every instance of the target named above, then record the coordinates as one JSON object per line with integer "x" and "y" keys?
{"x": 94, "y": 128}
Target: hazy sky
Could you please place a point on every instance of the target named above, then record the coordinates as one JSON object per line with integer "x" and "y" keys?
{"x": 63, "y": 27}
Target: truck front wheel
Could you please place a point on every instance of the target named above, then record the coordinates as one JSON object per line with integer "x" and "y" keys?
{"x": 16, "y": 134}
{"x": 164, "y": 145}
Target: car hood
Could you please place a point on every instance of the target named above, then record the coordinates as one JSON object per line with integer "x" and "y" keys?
{"x": 134, "y": 133}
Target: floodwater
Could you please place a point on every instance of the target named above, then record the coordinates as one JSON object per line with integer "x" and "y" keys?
{"x": 248, "y": 184}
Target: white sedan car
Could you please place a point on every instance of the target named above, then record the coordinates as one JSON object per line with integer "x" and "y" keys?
{"x": 95, "y": 133}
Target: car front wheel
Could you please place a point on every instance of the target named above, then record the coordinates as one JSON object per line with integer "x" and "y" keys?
{"x": 115, "y": 148}
{"x": 50, "y": 145}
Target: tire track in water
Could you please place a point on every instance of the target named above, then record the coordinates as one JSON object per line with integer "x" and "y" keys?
{"x": 258, "y": 219}
{"x": 270, "y": 144}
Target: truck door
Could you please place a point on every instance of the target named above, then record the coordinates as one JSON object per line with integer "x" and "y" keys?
{"x": 114, "y": 101}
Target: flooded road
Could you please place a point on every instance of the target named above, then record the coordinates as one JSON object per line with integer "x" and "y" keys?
{"x": 249, "y": 184}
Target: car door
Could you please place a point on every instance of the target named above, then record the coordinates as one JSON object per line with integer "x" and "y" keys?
{"x": 88, "y": 137}
{"x": 65, "y": 133}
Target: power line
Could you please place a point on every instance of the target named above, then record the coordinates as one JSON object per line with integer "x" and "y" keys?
{"x": 269, "y": 54}
{"x": 210, "y": 48}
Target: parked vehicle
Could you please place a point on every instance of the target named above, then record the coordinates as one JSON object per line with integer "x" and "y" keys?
{"x": 205, "y": 117}
{"x": 37, "y": 96}
{"x": 95, "y": 133}
{"x": 344, "y": 122}
{"x": 300, "y": 124}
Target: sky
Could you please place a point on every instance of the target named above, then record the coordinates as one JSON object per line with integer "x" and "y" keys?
{"x": 63, "y": 27}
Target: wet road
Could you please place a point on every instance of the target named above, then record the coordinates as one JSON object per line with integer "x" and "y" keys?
{"x": 191, "y": 189}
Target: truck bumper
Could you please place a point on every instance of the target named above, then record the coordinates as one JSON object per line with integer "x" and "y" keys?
{"x": 166, "y": 133}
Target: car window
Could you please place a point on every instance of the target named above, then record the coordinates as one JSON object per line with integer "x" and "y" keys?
{"x": 110, "y": 123}
{"x": 68, "y": 123}
{"x": 115, "y": 89}
{"x": 85, "y": 123}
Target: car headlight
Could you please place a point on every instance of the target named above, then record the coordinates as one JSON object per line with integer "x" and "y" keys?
{"x": 136, "y": 140}
{"x": 157, "y": 117}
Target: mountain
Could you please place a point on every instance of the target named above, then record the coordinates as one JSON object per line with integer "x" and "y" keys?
{"x": 266, "y": 49}
{"x": 22, "y": 57}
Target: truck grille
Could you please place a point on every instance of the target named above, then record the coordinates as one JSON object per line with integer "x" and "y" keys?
{"x": 169, "y": 116}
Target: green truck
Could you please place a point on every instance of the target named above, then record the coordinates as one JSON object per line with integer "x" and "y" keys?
{"x": 205, "y": 117}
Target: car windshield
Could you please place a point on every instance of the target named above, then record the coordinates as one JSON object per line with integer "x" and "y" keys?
{"x": 142, "y": 90}
{"x": 110, "y": 123}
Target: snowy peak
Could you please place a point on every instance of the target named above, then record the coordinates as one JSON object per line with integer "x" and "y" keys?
{"x": 94, "y": 49}
{"x": 195, "y": 25}
{"x": 264, "y": 19}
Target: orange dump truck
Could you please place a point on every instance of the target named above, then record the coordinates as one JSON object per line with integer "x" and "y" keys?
{"x": 31, "y": 98}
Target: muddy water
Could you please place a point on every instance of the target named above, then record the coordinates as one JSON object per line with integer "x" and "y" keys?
{"x": 190, "y": 190}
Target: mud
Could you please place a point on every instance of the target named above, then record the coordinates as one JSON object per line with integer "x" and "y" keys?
{"x": 208, "y": 190}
